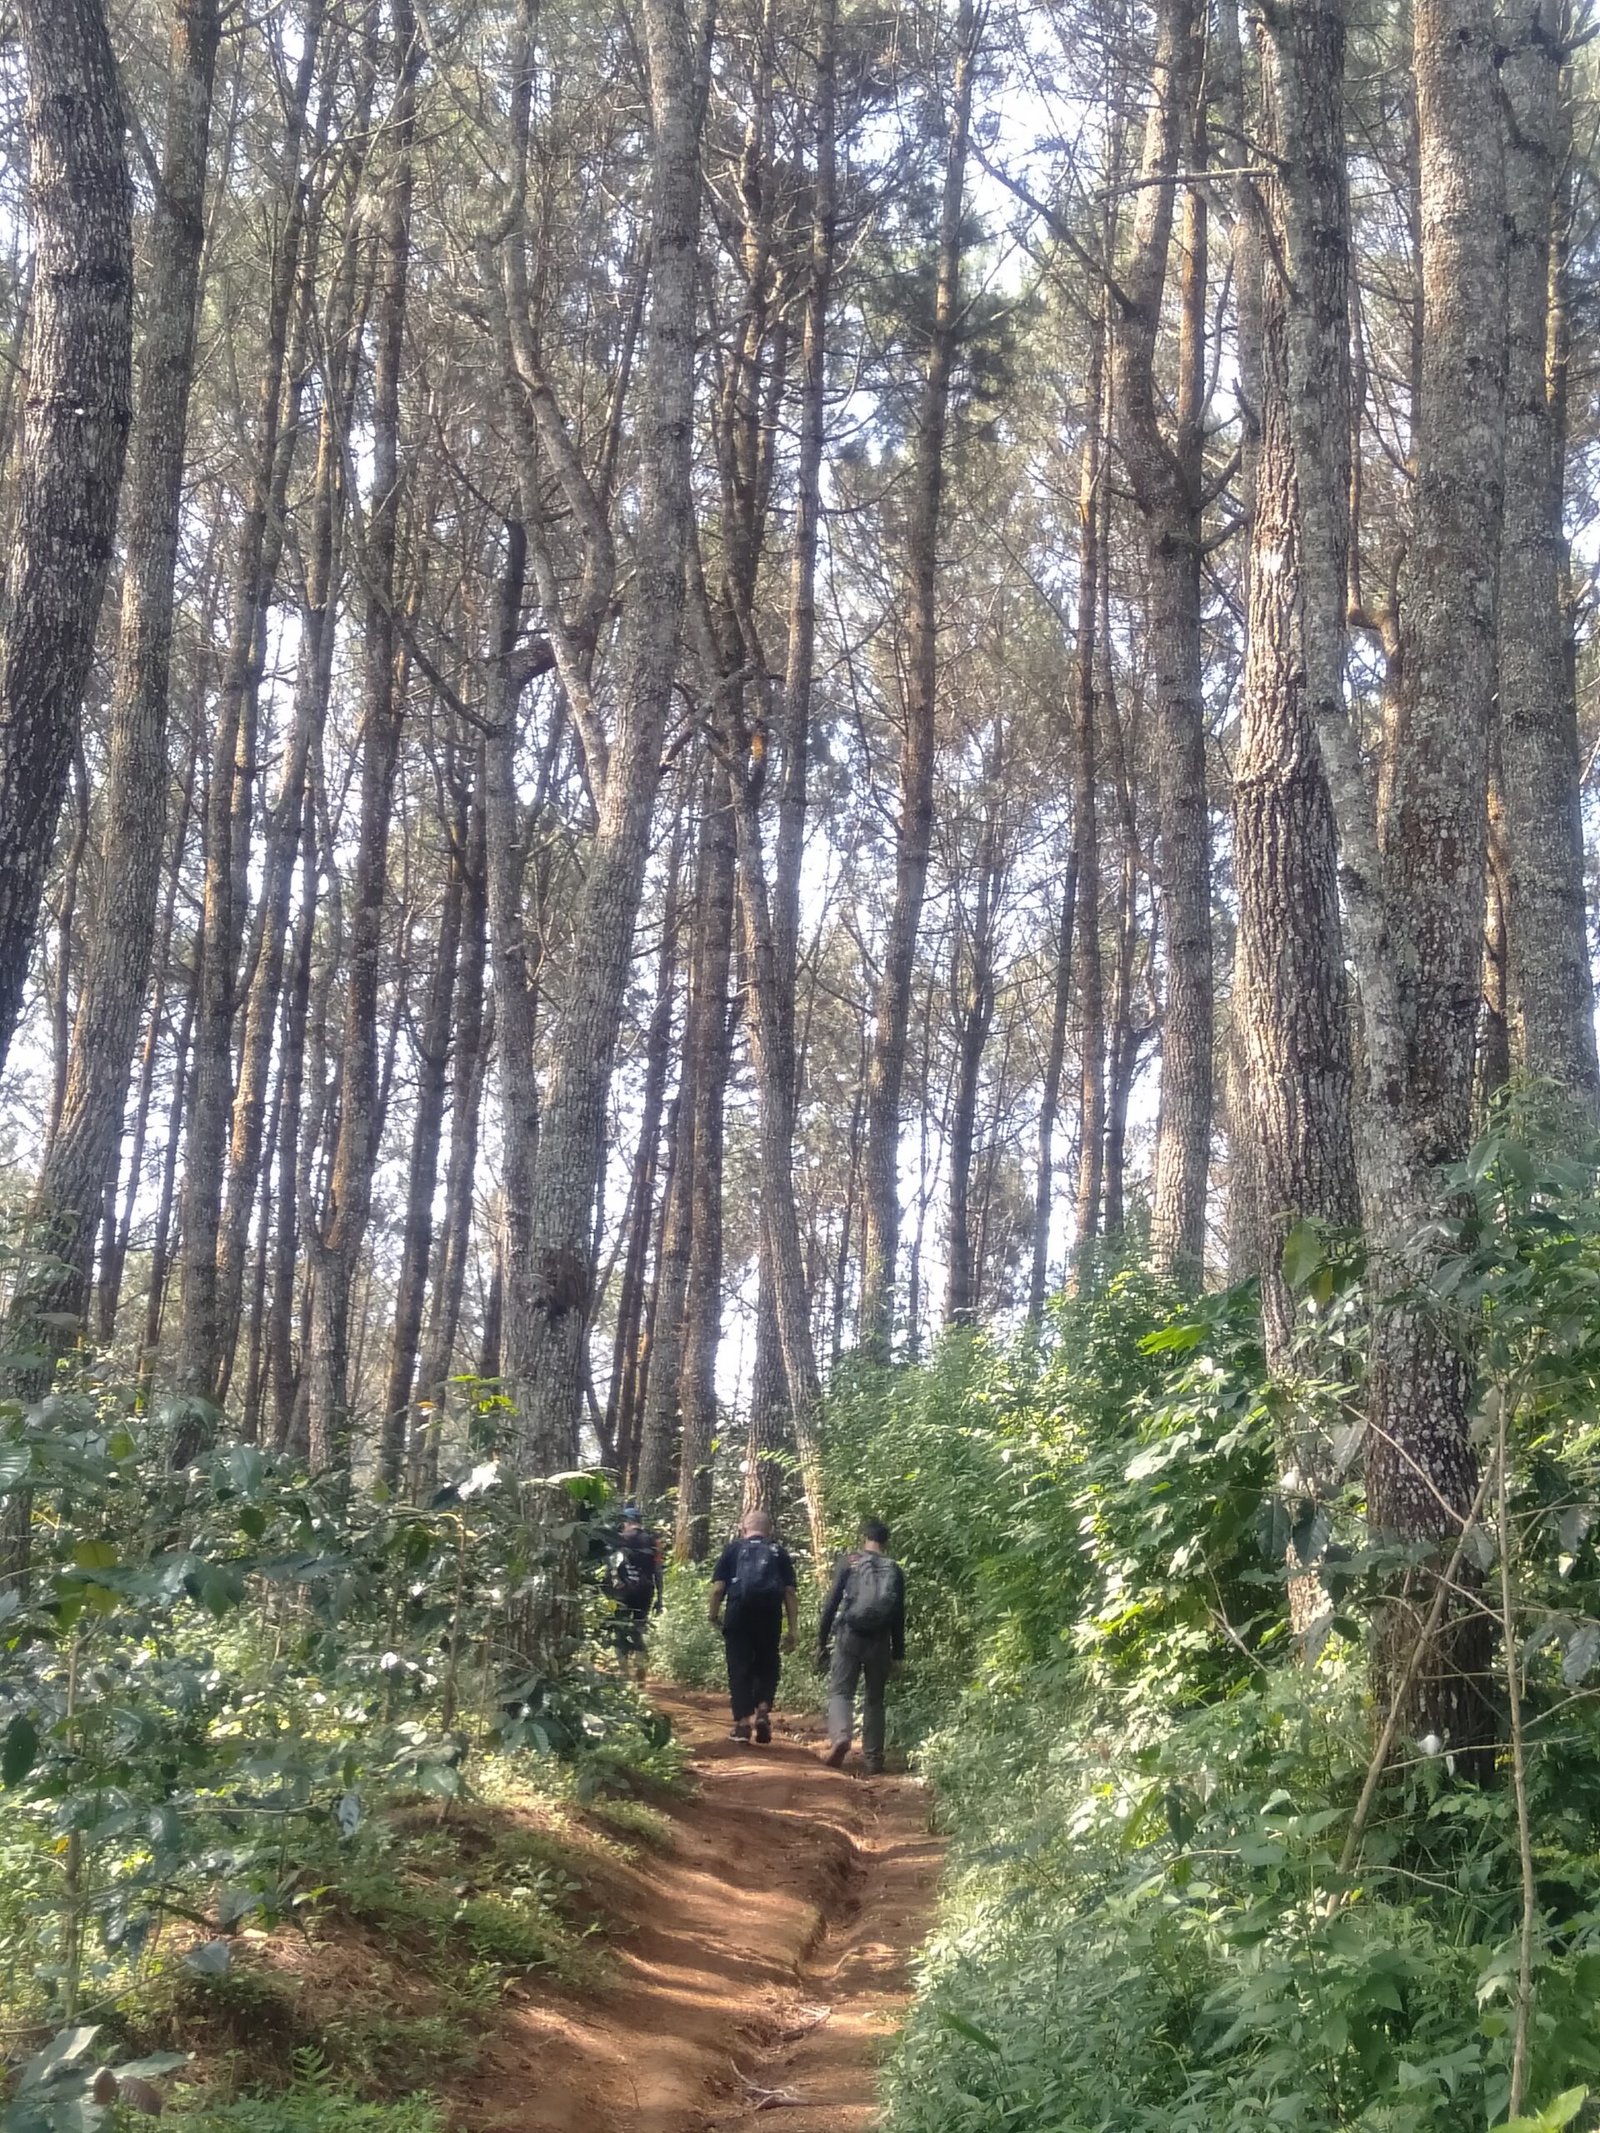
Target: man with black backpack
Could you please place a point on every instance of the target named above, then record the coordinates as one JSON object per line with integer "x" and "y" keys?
{"x": 755, "y": 1577}
{"x": 634, "y": 1585}
{"x": 865, "y": 1614}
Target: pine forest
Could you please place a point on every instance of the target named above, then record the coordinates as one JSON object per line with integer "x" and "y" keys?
{"x": 768, "y": 765}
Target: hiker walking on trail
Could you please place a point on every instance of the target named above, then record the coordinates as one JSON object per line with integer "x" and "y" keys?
{"x": 865, "y": 1615}
{"x": 634, "y": 1586}
{"x": 755, "y": 1578}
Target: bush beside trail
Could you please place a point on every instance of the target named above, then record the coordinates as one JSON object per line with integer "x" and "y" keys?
{"x": 1148, "y": 1781}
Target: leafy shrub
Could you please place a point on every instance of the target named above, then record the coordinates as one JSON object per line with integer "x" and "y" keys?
{"x": 683, "y": 1645}
{"x": 314, "y": 2103}
{"x": 1151, "y": 1924}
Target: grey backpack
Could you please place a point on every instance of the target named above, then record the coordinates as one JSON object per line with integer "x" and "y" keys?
{"x": 872, "y": 1595}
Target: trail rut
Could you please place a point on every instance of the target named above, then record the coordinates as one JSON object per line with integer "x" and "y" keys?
{"x": 762, "y": 1961}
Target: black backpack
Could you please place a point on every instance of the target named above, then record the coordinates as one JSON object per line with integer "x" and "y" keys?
{"x": 872, "y": 1594}
{"x": 759, "y": 1579}
{"x": 632, "y": 1578}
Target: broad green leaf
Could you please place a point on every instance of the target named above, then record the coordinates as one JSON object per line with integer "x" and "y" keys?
{"x": 244, "y": 1467}
{"x": 1583, "y": 1649}
{"x": 1554, "y": 2115}
{"x": 1303, "y": 1253}
{"x": 970, "y": 2030}
{"x": 210, "y": 1959}
{"x": 154, "y": 2067}
{"x": 21, "y": 1749}
{"x": 65, "y": 2049}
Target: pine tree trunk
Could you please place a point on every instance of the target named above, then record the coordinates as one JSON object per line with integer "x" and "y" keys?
{"x": 1420, "y": 1035}
{"x": 550, "y": 1283}
{"x": 114, "y": 1263}
{"x": 284, "y": 830}
{"x": 75, "y": 433}
{"x": 201, "y": 1343}
{"x": 473, "y": 1041}
{"x": 779, "y": 1215}
{"x": 794, "y": 733}
{"x": 1550, "y": 983}
{"x": 1165, "y": 478}
{"x": 282, "y": 1360}
{"x": 709, "y": 1041}
{"x": 1050, "y": 1091}
{"x": 973, "y": 990}
{"x": 623, "y": 1399}
{"x": 657, "y": 1454}
{"x": 914, "y": 826}
{"x": 1412, "y": 873}
{"x": 336, "y": 1243}
{"x": 83, "y": 1154}
{"x": 427, "y": 1132}
{"x": 1086, "y": 814}
{"x": 1290, "y": 996}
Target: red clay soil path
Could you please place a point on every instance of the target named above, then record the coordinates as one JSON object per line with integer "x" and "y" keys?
{"x": 767, "y": 1966}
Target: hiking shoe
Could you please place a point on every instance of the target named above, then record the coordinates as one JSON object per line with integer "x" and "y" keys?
{"x": 836, "y": 1754}
{"x": 872, "y": 1770}
{"x": 740, "y": 1731}
{"x": 763, "y": 1728}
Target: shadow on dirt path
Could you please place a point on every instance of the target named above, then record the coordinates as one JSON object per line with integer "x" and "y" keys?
{"x": 766, "y": 1965}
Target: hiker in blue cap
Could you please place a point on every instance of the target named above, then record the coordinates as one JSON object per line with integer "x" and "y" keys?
{"x": 636, "y": 1589}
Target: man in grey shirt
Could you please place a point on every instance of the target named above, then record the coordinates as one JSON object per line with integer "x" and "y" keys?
{"x": 865, "y": 1617}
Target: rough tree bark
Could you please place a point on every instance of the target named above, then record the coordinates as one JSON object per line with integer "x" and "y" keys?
{"x": 1550, "y": 985}
{"x": 75, "y": 434}
{"x": 658, "y": 1419}
{"x": 1290, "y": 997}
{"x": 1421, "y": 1471}
{"x": 1292, "y": 1083}
{"x": 83, "y": 1155}
{"x": 1166, "y": 479}
{"x": 1412, "y": 868}
{"x": 779, "y": 1215}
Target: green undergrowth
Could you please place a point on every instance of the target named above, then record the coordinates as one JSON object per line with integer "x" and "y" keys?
{"x": 400, "y": 1952}
{"x": 274, "y": 1793}
{"x": 1156, "y": 1915}
{"x": 312, "y": 2102}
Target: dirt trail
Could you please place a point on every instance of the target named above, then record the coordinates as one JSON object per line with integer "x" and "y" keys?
{"x": 767, "y": 1964}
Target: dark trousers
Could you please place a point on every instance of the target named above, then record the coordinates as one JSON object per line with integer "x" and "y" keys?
{"x": 629, "y": 1626}
{"x": 754, "y": 1661}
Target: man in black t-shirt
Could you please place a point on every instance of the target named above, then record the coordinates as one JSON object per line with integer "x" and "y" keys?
{"x": 756, "y": 1579}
